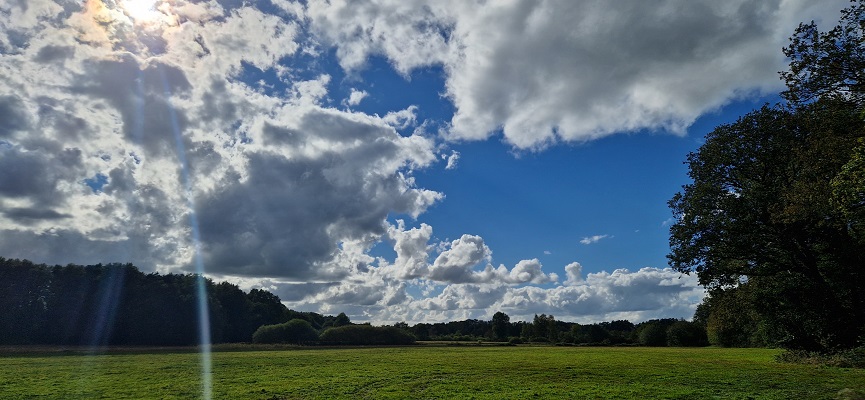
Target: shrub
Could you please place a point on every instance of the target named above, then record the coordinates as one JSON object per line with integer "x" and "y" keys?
{"x": 296, "y": 331}
{"x": 850, "y": 358}
{"x": 365, "y": 335}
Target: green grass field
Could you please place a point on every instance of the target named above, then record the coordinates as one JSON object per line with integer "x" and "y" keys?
{"x": 428, "y": 372}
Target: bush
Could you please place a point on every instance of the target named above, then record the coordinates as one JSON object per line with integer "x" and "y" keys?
{"x": 365, "y": 335}
{"x": 296, "y": 331}
{"x": 515, "y": 340}
{"x": 851, "y": 358}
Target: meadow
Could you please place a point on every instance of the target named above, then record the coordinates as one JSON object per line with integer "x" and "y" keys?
{"x": 426, "y": 372}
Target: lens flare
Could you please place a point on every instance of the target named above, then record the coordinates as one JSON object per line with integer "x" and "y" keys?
{"x": 141, "y": 10}
{"x": 149, "y": 13}
{"x": 201, "y": 281}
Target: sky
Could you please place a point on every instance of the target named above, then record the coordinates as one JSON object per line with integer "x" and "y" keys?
{"x": 416, "y": 161}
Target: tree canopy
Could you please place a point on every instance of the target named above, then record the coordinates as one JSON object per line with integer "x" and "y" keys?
{"x": 828, "y": 64}
{"x": 777, "y": 197}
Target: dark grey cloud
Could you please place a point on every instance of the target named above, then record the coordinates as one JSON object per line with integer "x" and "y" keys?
{"x": 24, "y": 215}
{"x": 298, "y": 291}
{"x": 141, "y": 93}
{"x": 287, "y": 217}
{"x": 35, "y": 175}
{"x": 355, "y": 294}
{"x": 120, "y": 180}
{"x": 271, "y": 225}
{"x": 218, "y": 104}
{"x": 281, "y": 135}
{"x": 53, "y": 53}
{"x": 63, "y": 246}
{"x": 14, "y": 115}
{"x": 60, "y": 116}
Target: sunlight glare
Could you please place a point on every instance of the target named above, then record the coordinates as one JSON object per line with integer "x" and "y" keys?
{"x": 141, "y": 10}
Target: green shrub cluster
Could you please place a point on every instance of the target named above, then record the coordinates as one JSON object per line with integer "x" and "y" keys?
{"x": 365, "y": 335}
{"x": 850, "y": 358}
{"x": 296, "y": 331}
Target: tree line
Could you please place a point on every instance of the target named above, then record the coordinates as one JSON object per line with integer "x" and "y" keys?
{"x": 546, "y": 329}
{"x": 116, "y": 304}
{"x": 542, "y": 329}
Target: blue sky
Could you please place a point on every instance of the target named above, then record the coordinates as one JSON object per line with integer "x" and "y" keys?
{"x": 397, "y": 161}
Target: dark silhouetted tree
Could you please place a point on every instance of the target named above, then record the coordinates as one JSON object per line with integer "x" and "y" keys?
{"x": 501, "y": 326}
{"x": 341, "y": 320}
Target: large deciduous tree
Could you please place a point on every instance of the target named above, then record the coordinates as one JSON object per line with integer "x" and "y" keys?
{"x": 777, "y": 197}
{"x": 762, "y": 209}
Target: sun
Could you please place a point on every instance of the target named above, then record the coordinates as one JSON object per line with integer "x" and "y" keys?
{"x": 142, "y": 11}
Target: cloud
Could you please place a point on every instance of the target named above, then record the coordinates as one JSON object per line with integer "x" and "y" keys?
{"x": 402, "y": 119}
{"x": 452, "y": 159}
{"x": 282, "y": 186}
{"x": 455, "y": 264}
{"x": 356, "y": 96}
{"x": 574, "y": 274}
{"x": 412, "y": 250}
{"x": 593, "y": 239}
{"x": 643, "y": 294}
{"x": 409, "y": 33}
{"x": 13, "y": 114}
{"x": 464, "y": 260}
{"x": 288, "y": 215}
{"x": 528, "y": 271}
{"x": 622, "y": 294}
{"x": 514, "y": 67}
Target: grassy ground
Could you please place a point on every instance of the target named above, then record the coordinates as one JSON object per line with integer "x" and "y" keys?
{"x": 463, "y": 372}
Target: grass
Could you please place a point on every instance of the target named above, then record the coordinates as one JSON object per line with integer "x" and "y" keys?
{"x": 427, "y": 372}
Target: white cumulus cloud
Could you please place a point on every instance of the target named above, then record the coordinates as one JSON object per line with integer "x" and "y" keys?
{"x": 593, "y": 239}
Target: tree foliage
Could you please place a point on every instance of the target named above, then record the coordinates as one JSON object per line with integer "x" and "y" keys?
{"x": 761, "y": 208}
{"x": 116, "y": 304}
{"x": 686, "y": 334}
{"x": 545, "y": 328}
{"x": 826, "y": 64}
{"x": 296, "y": 331}
{"x": 365, "y": 335}
{"x": 777, "y": 201}
{"x": 501, "y": 325}
{"x": 730, "y": 318}
{"x": 653, "y": 332}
